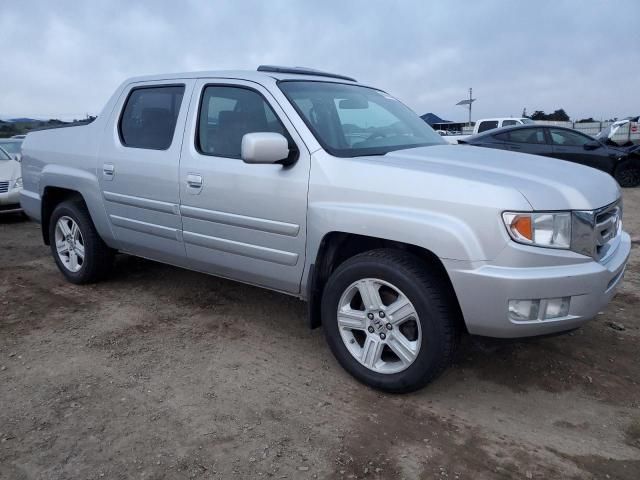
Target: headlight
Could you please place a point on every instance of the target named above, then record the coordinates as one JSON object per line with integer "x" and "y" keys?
{"x": 17, "y": 183}
{"x": 543, "y": 229}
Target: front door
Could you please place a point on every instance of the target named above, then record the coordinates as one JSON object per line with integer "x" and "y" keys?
{"x": 138, "y": 166}
{"x": 241, "y": 221}
{"x": 570, "y": 145}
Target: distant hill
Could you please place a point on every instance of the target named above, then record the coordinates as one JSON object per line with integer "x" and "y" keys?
{"x": 23, "y": 120}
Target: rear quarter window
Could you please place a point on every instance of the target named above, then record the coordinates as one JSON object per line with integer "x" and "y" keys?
{"x": 149, "y": 117}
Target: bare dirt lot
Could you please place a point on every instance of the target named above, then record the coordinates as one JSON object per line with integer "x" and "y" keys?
{"x": 164, "y": 373}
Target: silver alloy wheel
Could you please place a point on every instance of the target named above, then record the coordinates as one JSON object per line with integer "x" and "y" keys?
{"x": 379, "y": 326}
{"x": 69, "y": 244}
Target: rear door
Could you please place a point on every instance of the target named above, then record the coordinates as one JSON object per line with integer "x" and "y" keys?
{"x": 138, "y": 168}
{"x": 570, "y": 145}
{"x": 241, "y": 221}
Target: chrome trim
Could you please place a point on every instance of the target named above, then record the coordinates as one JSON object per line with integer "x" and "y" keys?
{"x": 596, "y": 233}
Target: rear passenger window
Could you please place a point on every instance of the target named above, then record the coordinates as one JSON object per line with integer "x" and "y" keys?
{"x": 484, "y": 126}
{"x": 149, "y": 117}
{"x": 227, "y": 114}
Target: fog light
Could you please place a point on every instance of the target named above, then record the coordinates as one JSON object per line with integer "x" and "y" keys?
{"x": 557, "y": 307}
{"x": 520, "y": 310}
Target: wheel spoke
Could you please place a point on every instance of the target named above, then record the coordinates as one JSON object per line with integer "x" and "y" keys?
{"x": 371, "y": 351}
{"x": 74, "y": 230}
{"x": 402, "y": 348}
{"x": 400, "y": 310}
{"x": 369, "y": 291}
{"x": 62, "y": 247}
{"x": 80, "y": 250}
{"x": 352, "y": 319}
{"x": 64, "y": 228}
{"x": 73, "y": 260}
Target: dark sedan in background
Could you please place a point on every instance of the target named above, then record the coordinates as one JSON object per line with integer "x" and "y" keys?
{"x": 566, "y": 144}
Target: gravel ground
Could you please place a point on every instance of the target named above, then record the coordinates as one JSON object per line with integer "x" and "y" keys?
{"x": 164, "y": 373}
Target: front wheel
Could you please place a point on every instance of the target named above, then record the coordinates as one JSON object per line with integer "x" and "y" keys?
{"x": 627, "y": 174}
{"x": 390, "y": 320}
{"x": 78, "y": 250}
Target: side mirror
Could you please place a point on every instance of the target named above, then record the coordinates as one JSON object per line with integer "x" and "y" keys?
{"x": 264, "y": 147}
{"x": 592, "y": 145}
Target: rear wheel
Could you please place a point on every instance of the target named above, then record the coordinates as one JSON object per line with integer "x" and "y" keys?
{"x": 390, "y": 320}
{"x": 78, "y": 250}
{"x": 627, "y": 174}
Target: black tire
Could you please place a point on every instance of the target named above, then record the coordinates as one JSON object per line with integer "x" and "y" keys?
{"x": 431, "y": 295}
{"x": 98, "y": 257}
{"x": 627, "y": 174}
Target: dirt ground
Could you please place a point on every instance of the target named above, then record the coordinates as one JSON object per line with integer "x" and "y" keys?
{"x": 164, "y": 373}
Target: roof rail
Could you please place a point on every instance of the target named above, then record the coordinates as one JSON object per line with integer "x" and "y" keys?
{"x": 302, "y": 71}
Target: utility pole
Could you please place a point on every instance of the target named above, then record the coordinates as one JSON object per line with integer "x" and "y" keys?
{"x": 468, "y": 102}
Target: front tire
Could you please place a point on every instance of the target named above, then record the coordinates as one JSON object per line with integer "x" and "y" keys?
{"x": 390, "y": 320}
{"x": 77, "y": 249}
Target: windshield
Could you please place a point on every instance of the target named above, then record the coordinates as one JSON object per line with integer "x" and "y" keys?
{"x": 526, "y": 121}
{"x": 351, "y": 120}
{"x": 4, "y": 155}
{"x": 11, "y": 147}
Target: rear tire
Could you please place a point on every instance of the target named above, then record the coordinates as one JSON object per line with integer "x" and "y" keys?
{"x": 627, "y": 174}
{"x": 77, "y": 249}
{"x": 365, "y": 340}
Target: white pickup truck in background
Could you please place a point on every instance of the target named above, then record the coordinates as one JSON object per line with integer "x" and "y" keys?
{"x": 488, "y": 124}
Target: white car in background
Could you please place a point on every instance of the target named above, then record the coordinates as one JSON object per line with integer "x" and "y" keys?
{"x": 10, "y": 183}
{"x": 489, "y": 124}
{"x": 13, "y": 146}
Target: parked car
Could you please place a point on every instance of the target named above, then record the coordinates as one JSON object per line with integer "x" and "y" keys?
{"x": 487, "y": 124}
{"x": 10, "y": 183}
{"x": 566, "y": 144}
{"x": 319, "y": 187}
{"x": 13, "y": 146}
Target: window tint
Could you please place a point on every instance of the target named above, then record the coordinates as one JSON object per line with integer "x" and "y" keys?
{"x": 227, "y": 114}
{"x": 489, "y": 125}
{"x": 568, "y": 138}
{"x": 523, "y": 135}
{"x": 149, "y": 117}
{"x": 508, "y": 123}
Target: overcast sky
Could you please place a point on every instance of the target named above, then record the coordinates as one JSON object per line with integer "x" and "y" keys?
{"x": 64, "y": 58}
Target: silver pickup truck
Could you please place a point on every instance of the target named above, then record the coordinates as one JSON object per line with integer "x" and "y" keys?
{"x": 317, "y": 186}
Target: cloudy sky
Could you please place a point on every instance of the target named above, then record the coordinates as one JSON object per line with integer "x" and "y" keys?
{"x": 64, "y": 58}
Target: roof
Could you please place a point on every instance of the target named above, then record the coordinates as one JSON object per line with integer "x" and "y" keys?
{"x": 273, "y": 73}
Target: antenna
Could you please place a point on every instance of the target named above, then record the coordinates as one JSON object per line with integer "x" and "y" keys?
{"x": 468, "y": 102}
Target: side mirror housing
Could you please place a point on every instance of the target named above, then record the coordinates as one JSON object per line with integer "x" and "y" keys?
{"x": 592, "y": 145}
{"x": 264, "y": 147}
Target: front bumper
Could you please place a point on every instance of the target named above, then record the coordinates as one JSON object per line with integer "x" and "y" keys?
{"x": 484, "y": 291}
{"x": 10, "y": 202}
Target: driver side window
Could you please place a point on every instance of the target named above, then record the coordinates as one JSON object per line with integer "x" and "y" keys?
{"x": 227, "y": 114}
{"x": 567, "y": 138}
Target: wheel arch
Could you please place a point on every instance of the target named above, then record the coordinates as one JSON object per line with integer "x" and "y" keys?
{"x": 337, "y": 247}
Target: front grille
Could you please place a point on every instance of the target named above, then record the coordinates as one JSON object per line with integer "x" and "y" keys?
{"x": 4, "y": 187}
{"x": 596, "y": 233}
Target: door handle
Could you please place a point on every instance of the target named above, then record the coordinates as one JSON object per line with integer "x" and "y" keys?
{"x": 194, "y": 180}
{"x": 108, "y": 171}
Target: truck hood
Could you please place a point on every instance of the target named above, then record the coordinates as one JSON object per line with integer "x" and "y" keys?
{"x": 546, "y": 183}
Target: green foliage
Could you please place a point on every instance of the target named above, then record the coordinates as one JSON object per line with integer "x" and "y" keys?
{"x": 558, "y": 115}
